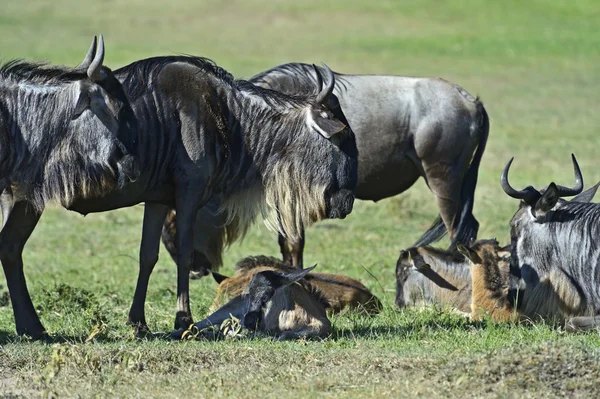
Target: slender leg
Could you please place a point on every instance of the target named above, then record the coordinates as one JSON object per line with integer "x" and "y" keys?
{"x": 189, "y": 200}
{"x": 292, "y": 250}
{"x": 18, "y": 226}
{"x": 154, "y": 217}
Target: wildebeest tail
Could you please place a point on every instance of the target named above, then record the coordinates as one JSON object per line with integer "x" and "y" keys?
{"x": 433, "y": 234}
{"x": 466, "y": 226}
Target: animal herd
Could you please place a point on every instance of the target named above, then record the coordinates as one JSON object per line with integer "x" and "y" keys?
{"x": 208, "y": 154}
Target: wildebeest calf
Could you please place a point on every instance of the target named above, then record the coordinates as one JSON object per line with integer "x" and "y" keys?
{"x": 340, "y": 292}
{"x": 278, "y": 302}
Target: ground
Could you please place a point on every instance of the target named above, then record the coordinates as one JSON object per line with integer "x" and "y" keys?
{"x": 535, "y": 66}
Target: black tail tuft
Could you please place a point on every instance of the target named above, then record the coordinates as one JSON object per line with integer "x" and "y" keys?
{"x": 433, "y": 234}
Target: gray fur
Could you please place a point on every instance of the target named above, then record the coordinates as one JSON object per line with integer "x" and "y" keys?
{"x": 65, "y": 134}
{"x": 556, "y": 253}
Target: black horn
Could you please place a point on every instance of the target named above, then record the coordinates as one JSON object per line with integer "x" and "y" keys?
{"x": 528, "y": 194}
{"x": 578, "y": 187}
{"x": 94, "y": 69}
{"x": 326, "y": 91}
{"x": 90, "y": 55}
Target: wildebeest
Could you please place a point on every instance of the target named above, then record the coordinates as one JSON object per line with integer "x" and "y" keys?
{"x": 555, "y": 253}
{"x": 405, "y": 128}
{"x": 65, "y": 133}
{"x": 204, "y": 136}
{"x": 279, "y": 302}
{"x": 339, "y": 291}
{"x": 427, "y": 275}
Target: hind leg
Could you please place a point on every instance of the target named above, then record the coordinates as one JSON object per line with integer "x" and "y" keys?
{"x": 445, "y": 182}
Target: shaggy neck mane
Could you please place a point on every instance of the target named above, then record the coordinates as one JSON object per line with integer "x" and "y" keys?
{"x": 48, "y": 158}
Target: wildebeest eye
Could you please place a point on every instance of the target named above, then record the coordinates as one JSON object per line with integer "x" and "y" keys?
{"x": 324, "y": 115}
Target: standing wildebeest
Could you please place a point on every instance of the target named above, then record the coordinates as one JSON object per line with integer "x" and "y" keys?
{"x": 52, "y": 149}
{"x": 405, "y": 128}
{"x": 202, "y": 136}
{"x": 205, "y": 136}
{"x": 341, "y": 292}
{"x": 280, "y": 301}
{"x": 555, "y": 253}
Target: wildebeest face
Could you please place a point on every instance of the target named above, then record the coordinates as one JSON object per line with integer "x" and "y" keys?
{"x": 328, "y": 119}
{"x": 104, "y": 96}
{"x": 261, "y": 290}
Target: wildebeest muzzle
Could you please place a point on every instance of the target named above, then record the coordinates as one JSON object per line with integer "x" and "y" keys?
{"x": 340, "y": 204}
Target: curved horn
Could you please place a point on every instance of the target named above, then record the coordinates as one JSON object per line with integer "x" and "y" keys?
{"x": 326, "y": 91}
{"x": 578, "y": 187}
{"x": 527, "y": 194}
{"x": 94, "y": 69}
{"x": 90, "y": 55}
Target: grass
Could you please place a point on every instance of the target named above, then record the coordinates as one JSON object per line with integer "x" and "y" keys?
{"x": 535, "y": 65}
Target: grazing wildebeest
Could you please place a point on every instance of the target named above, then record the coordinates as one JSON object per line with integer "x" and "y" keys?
{"x": 65, "y": 133}
{"x": 555, "y": 253}
{"x": 279, "y": 302}
{"x": 427, "y": 275}
{"x": 341, "y": 292}
{"x": 206, "y": 136}
{"x": 405, "y": 128}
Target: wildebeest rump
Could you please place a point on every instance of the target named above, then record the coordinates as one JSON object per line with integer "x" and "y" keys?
{"x": 405, "y": 128}
{"x": 339, "y": 291}
{"x": 277, "y": 301}
{"x": 555, "y": 251}
{"x": 205, "y": 136}
{"x": 66, "y": 133}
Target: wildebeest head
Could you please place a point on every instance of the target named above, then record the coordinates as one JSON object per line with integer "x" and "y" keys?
{"x": 316, "y": 168}
{"x": 536, "y": 204}
{"x": 263, "y": 287}
{"x": 103, "y": 95}
{"x": 536, "y": 210}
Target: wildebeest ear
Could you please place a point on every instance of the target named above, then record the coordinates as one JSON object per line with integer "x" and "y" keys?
{"x": 546, "y": 201}
{"x": 587, "y": 195}
{"x": 219, "y": 278}
{"x": 286, "y": 278}
{"x": 83, "y": 102}
{"x": 328, "y": 127}
{"x": 469, "y": 253}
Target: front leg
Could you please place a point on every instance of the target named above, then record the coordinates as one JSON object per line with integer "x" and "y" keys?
{"x": 19, "y": 223}
{"x": 154, "y": 217}
{"x": 189, "y": 200}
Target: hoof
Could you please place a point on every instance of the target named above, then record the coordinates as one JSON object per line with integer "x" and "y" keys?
{"x": 177, "y": 335}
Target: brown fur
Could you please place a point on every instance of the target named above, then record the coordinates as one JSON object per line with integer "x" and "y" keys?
{"x": 490, "y": 284}
{"x": 338, "y": 291}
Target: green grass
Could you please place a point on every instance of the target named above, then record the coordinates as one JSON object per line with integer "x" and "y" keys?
{"x": 534, "y": 64}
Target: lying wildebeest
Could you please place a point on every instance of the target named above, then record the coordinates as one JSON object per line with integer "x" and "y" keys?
{"x": 339, "y": 291}
{"x": 205, "y": 136}
{"x": 555, "y": 253}
{"x": 427, "y": 275}
{"x": 277, "y": 301}
{"x": 52, "y": 148}
{"x": 405, "y": 128}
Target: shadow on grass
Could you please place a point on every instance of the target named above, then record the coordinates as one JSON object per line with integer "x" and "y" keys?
{"x": 8, "y": 337}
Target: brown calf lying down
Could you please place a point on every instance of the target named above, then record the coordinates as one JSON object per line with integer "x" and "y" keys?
{"x": 339, "y": 292}
{"x": 276, "y": 302}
